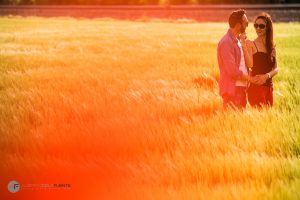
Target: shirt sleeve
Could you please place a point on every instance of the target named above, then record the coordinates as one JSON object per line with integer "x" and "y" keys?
{"x": 226, "y": 53}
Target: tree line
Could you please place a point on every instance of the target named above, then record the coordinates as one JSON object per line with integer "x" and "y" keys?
{"x": 139, "y": 2}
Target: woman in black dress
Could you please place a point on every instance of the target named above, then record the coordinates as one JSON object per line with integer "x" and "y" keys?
{"x": 260, "y": 58}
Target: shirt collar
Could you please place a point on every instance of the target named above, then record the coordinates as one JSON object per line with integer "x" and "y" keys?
{"x": 230, "y": 33}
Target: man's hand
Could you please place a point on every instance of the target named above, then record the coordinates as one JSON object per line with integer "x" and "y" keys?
{"x": 259, "y": 79}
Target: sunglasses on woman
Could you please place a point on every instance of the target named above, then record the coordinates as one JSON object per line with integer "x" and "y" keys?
{"x": 260, "y": 26}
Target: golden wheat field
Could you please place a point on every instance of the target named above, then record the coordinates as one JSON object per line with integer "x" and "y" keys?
{"x": 130, "y": 110}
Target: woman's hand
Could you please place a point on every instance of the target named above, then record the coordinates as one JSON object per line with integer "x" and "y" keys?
{"x": 243, "y": 38}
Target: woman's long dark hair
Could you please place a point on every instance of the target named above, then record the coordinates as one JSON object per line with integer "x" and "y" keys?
{"x": 270, "y": 45}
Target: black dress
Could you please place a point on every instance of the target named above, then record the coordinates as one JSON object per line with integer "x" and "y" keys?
{"x": 259, "y": 95}
{"x": 262, "y": 64}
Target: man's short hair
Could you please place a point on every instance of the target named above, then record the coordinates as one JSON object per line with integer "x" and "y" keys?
{"x": 236, "y": 17}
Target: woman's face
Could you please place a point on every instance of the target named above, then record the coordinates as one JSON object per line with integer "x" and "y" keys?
{"x": 260, "y": 27}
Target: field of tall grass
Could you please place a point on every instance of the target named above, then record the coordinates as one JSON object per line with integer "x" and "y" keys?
{"x": 130, "y": 110}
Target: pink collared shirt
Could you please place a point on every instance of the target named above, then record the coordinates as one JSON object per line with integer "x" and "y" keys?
{"x": 229, "y": 58}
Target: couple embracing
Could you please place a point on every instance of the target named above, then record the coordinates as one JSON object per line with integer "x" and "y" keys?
{"x": 247, "y": 67}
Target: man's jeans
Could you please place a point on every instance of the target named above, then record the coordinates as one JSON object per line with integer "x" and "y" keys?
{"x": 239, "y": 100}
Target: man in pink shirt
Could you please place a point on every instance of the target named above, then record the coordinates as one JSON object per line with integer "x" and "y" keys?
{"x": 234, "y": 76}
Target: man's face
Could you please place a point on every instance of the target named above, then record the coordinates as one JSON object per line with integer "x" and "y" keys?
{"x": 244, "y": 24}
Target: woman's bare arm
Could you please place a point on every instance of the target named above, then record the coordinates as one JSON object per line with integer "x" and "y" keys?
{"x": 275, "y": 69}
{"x": 248, "y": 54}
